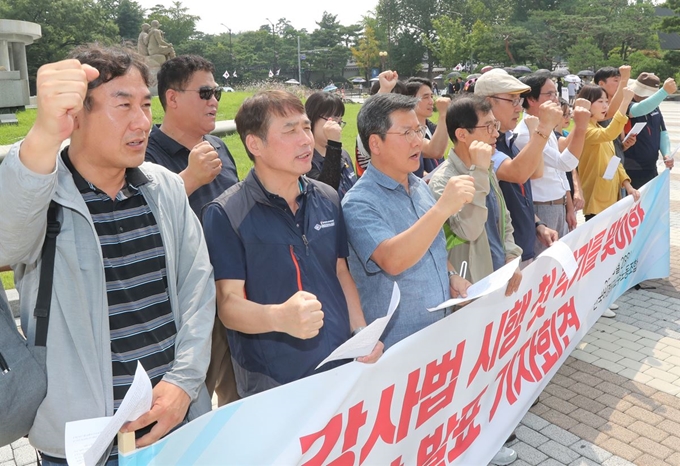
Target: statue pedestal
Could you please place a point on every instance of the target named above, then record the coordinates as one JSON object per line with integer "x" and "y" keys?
{"x": 154, "y": 63}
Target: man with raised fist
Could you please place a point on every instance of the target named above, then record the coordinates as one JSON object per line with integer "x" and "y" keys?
{"x": 132, "y": 278}
{"x": 278, "y": 244}
{"x": 183, "y": 144}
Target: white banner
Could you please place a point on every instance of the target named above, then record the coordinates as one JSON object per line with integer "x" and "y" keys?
{"x": 453, "y": 392}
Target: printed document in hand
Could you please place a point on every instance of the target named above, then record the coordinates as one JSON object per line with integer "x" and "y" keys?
{"x": 611, "y": 168}
{"x": 559, "y": 251}
{"x": 486, "y": 285}
{"x": 363, "y": 342}
{"x": 88, "y": 439}
{"x": 635, "y": 130}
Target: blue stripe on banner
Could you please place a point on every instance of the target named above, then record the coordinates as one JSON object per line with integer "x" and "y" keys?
{"x": 207, "y": 435}
{"x": 652, "y": 263}
{"x": 149, "y": 455}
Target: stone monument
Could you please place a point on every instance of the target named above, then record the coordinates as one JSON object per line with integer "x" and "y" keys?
{"x": 14, "y": 37}
{"x": 152, "y": 45}
{"x": 157, "y": 48}
{"x": 143, "y": 40}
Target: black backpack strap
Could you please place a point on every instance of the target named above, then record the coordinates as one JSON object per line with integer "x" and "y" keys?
{"x": 44, "y": 300}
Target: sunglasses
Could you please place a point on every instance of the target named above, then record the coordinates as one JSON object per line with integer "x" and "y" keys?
{"x": 206, "y": 93}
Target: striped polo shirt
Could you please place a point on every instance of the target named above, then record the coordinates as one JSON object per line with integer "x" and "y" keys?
{"x": 141, "y": 321}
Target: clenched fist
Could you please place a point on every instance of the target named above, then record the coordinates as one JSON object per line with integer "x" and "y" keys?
{"x": 204, "y": 166}
{"x": 301, "y": 316}
{"x": 480, "y": 154}
{"x": 442, "y": 104}
{"x": 332, "y": 130}
{"x": 583, "y": 103}
{"x": 581, "y": 118}
{"x": 388, "y": 79}
{"x": 550, "y": 114}
{"x": 459, "y": 190}
{"x": 61, "y": 87}
{"x": 670, "y": 86}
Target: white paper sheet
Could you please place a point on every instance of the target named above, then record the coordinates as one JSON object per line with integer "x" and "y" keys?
{"x": 672, "y": 156}
{"x": 486, "y": 285}
{"x": 611, "y": 168}
{"x": 564, "y": 255}
{"x": 363, "y": 342}
{"x": 635, "y": 130}
{"x": 80, "y": 436}
{"x": 88, "y": 439}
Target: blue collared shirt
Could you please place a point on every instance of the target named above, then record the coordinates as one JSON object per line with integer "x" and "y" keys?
{"x": 376, "y": 209}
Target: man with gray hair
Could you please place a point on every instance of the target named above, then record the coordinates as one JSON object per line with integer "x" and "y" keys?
{"x": 394, "y": 225}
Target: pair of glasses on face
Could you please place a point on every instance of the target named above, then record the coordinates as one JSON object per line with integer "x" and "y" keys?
{"x": 515, "y": 102}
{"x": 491, "y": 127}
{"x": 411, "y": 134}
{"x": 206, "y": 93}
{"x": 551, "y": 95}
{"x": 338, "y": 120}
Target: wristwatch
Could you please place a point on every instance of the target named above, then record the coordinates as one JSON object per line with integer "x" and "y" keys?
{"x": 451, "y": 273}
{"x": 539, "y": 223}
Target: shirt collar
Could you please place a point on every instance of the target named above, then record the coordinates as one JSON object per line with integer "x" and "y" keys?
{"x": 134, "y": 177}
{"x": 253, "y": 180}
{"x": 386, "y": 181}
{"x": 169, "y": 145}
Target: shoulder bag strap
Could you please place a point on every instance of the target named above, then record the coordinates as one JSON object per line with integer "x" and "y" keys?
{"x": 44, "y": 301}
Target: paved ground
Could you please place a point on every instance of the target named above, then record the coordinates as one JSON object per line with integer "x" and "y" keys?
{"x": 616, "y": 401}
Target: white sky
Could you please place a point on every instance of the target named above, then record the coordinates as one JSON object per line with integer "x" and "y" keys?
{"x": 250, "y": 15}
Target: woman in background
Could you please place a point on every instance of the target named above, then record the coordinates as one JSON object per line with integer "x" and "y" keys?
{"x": 330, "y": 163}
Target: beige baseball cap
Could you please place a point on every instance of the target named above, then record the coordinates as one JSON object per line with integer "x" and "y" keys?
{"x": 498, "y": 81}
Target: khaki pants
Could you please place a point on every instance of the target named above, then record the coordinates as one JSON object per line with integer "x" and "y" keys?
{"x": 220, "y": 377}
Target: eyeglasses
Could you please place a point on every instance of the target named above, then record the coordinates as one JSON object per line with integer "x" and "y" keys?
{"x": 338, "y": 120}
{"x": 411, "y": 134}
{"x": 551, "y": 94}
{"x": 206, "y": 93}
{"x": 515, "y": 102}
{"x": 495, "y": 125}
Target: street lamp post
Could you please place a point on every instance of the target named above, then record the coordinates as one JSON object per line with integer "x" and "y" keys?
{"x": 274, "y": 43}
{"x": 231, "y": 51}
{"x": 383, "y": 59}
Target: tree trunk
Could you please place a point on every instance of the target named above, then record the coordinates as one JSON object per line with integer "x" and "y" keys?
{"x": 506, "y": 40}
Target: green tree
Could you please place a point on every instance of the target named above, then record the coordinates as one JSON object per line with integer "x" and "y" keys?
{"x": 177, "y": 24}
{"x": 129, "y": 19}
{"x": 127, "y": 14}
{"x": 452, "y": 47}
{"x": 367, "y": 51}
{"x": 585, "y": 54}
{"x": 64, "y": 23}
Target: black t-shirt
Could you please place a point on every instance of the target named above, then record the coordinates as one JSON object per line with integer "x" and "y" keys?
{"x": 165, "y": 151}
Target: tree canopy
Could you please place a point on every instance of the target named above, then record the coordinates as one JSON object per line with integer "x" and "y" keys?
{"x": 416, "y": 34}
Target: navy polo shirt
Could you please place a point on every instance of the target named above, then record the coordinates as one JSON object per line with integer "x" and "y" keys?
{"x": 165, "y": 151}
{"x": 518, "y": 200}
{"x": 253, "y": 235}
{"x": 644, "y": 154}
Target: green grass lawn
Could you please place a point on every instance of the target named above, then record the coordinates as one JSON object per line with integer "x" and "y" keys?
{"x": 7, "y": 279}
{"x": 229, "y": 104}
